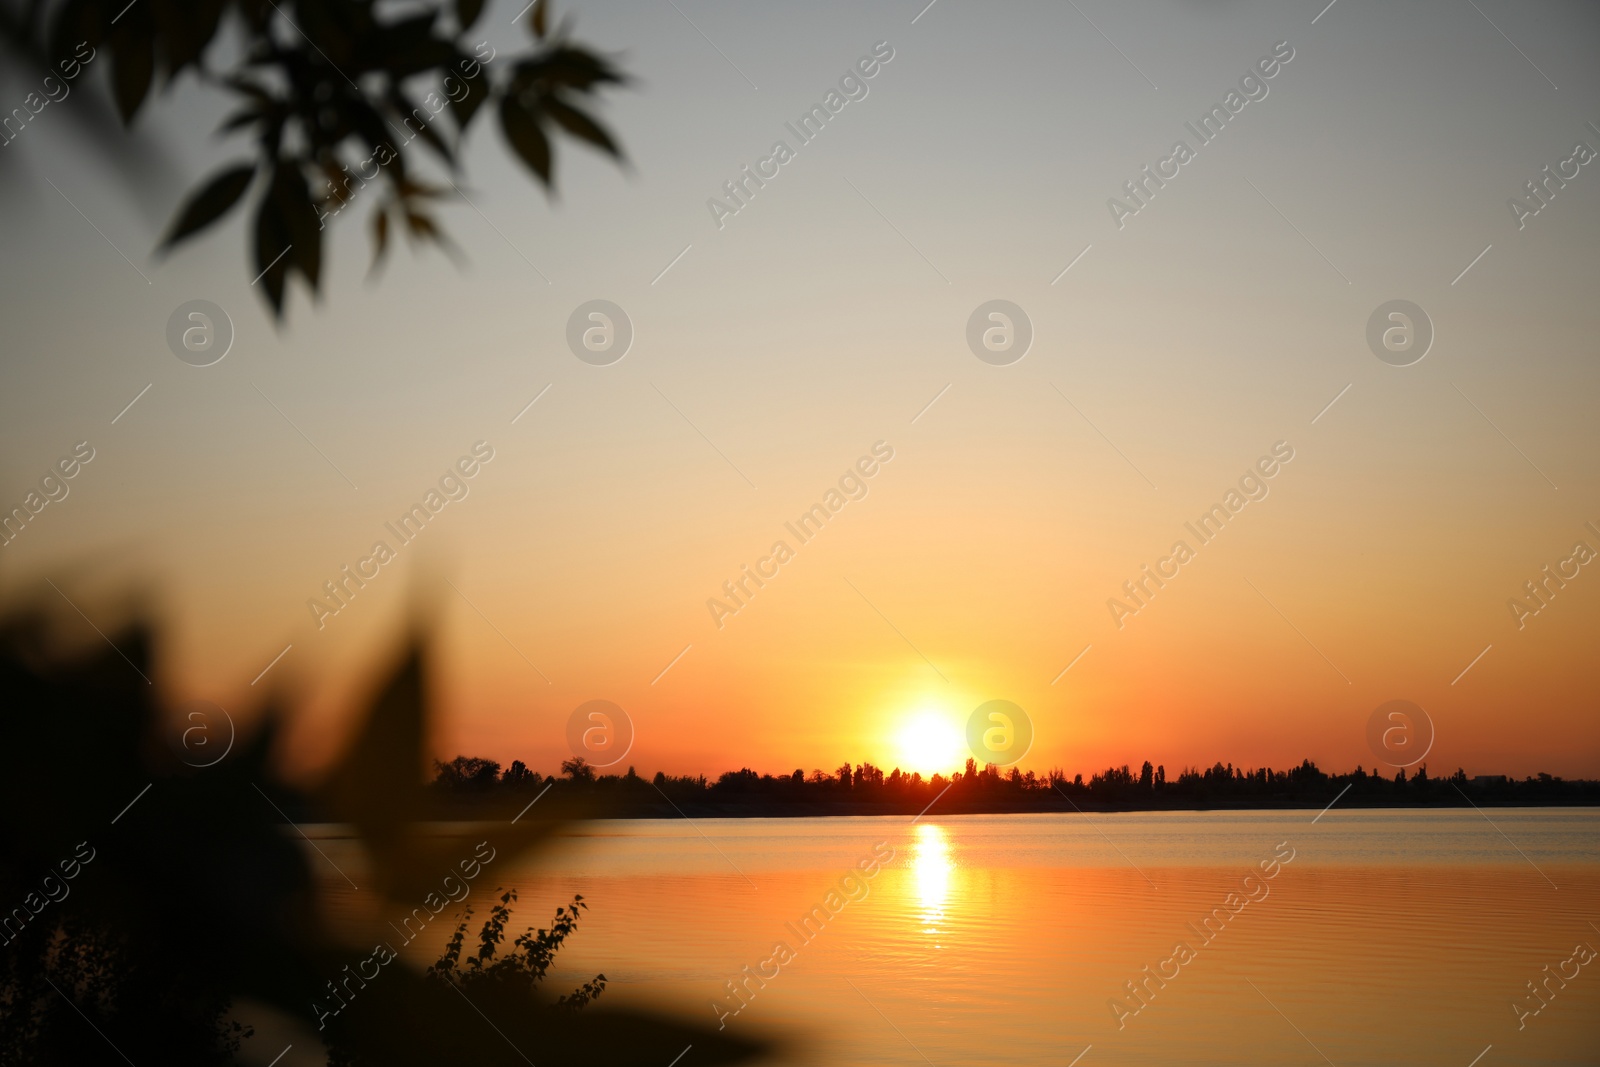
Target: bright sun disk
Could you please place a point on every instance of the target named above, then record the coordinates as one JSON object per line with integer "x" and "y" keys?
{"x": 929, "y": 742}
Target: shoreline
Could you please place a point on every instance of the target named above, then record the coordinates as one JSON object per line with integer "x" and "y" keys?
{"x": 570, "y": 809}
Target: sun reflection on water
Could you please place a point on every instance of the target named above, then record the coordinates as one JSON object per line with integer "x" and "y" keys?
{"x": 932, "y": 867}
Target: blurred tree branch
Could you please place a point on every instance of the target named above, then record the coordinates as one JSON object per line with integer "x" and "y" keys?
{"x": 336, "y": 94}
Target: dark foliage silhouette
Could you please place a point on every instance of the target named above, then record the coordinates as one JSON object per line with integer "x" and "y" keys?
{"x": 864, "y": 789}
{"x": 334, "y": 94}
{"x": 151, "y": 911}
{"x": 525, "y": 966}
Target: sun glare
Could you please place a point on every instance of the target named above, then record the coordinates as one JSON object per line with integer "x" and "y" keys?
{"x": 929, "y": 742}
{"x": 931, "y": 866}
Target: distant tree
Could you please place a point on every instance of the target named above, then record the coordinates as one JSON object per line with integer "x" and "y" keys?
{"x": 467, "y": 772}
{"x": 746, "y": 791}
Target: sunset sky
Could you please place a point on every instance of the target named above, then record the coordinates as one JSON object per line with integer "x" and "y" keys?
{"x": 779, "y": 348}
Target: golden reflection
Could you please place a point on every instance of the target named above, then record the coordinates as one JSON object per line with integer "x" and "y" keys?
{"x": 932, "y": 867}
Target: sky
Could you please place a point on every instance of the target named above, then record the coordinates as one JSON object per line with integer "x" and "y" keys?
{"x": 1173, "y": 348}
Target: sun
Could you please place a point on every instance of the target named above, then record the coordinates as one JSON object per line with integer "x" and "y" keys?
{"x": 930, "y": 742}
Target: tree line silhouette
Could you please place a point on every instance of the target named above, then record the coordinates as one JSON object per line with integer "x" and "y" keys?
{"x": 471, "y": 781}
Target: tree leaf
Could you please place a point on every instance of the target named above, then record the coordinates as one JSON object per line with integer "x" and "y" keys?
{"x": 293, "y": 194}
{"x": 422, "y": 118}
{"x": 80, "y": 23}
{"x": 378, "y": 787}
{"x": 421, "y": 226}
{"x": 467, "y": 105}
{"x": 272, "y": 244}
{"x": 581, "y": 126}
{"x": 538, "y": 17}
{"x": 210, "y": 203}
{"x": 132, "y": 67}
{"x": 376, "y": 132}
{"x": 573, "y": 68}
{"x": 380, "y": 239}
{"x": 523, "y": 132}
{"x": 467, "y": 12}
{"x": 249, "y": 88}
{"x": 408, "y": 46}
{"x": 423, "y": 229}
{"x": 245, "y": 116}
{"x": 186, "y": 33}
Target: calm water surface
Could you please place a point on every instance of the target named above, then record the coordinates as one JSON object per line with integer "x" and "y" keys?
{"x": 1389, "y": 937}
